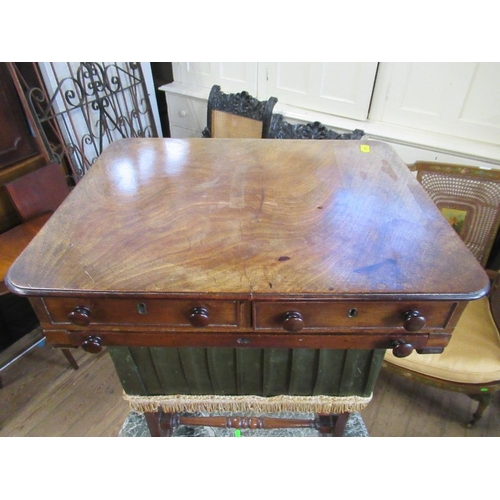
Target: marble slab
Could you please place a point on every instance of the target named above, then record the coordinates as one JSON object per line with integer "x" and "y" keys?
{"x": 135, "y": 426}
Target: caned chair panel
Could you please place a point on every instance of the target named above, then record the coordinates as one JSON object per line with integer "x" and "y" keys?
{"x": 469, "y": 198}
{"x": 237, "y": 115}
{"x": 229, "y": 126}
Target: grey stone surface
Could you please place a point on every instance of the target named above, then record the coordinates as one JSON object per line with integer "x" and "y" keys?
{"x": 135, "y": 426}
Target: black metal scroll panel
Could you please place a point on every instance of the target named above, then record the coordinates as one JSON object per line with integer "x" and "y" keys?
{"x": 90, "y": 105}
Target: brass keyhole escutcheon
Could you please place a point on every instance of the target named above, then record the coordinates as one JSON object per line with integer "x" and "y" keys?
{"x": 352, "y": 313}
{"x": 141, "y": 308}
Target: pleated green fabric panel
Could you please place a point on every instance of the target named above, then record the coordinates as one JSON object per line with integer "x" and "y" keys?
{"x": 263, "y": 372}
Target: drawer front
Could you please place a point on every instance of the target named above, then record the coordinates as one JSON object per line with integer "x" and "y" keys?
{"x": 242, "y": 340}
{"x": 171, "y": 312}
{"x": 183, "y": 133}
{"x": 187, "y": 112}
{"x": 342, "y": 316}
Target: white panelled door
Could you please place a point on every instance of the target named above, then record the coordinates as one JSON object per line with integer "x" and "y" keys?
{"x": 338, "y": 88}
{"x": 231, "y": 76}
{"x": 456, "y": 99}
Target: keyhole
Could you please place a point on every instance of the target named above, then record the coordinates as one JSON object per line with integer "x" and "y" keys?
{"x": 352, "y": 313}
{"x": 141, "y": 308}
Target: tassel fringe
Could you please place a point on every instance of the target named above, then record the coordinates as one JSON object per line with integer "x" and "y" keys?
{"x": 212, "y": 403}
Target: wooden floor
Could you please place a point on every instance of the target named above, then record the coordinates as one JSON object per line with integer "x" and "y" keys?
{"x": 44, "y": 396}
{"x": 403, "y": 408}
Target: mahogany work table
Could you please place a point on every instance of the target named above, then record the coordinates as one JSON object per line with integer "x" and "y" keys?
{"x": 227, "y": 243}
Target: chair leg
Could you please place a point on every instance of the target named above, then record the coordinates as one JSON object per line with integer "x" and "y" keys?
{"x": 484, "y": 401}
{"x": 70, "y": 358}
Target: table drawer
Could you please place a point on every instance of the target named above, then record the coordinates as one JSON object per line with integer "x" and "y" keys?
{"x": 348, "y": 315}
{"x": 171, "y": 312}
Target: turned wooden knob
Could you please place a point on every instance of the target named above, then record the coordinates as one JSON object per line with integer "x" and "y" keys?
{"x": 401, "y": 349}
{"x": 199, "y": 317}
{"x": 413, "y": 321}
{"x": 80, "y": 316}
{"x": 92, "y": 344}
{"x": 292, "y": 321}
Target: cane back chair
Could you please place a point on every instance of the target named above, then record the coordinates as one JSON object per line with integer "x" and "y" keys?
{"x": 469, "y": 198}
{"x": 237, "y": 115}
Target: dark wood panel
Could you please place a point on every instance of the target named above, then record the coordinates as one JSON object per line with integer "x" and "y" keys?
{"x": 349, "y": 314}
{"x": 144, "y": 311}
{"x": 9, "y": 216}
{"x": 214, "y": 339}
{"x": 16, "y": 140}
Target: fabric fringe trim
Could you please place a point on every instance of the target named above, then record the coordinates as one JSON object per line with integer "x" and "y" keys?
{"x": 212, "y": 403}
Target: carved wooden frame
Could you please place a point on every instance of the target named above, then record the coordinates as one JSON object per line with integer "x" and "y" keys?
{"x": 281, "y": 129}
{"x": 241, "y": 104}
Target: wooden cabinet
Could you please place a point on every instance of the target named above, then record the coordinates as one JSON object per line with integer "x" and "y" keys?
{"x": 248, "y": 243}
{"x": 259, "y": 246}
{"x": 16, "y": 140}
{"x": 20, "y": 152}
{"x": 187, "y": 115}
{"x": 200, "y": 322}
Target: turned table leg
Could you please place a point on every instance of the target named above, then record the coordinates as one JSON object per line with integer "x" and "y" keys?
{"x": 71, "y": 360}
{"x": 161, "y": 424}
{"x": 332, "y": 425}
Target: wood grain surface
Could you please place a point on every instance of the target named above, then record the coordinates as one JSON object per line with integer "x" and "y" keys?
{"x": 245, "y": 218}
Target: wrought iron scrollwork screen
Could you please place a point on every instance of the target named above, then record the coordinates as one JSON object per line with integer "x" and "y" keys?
{"x": 87, "y": 106}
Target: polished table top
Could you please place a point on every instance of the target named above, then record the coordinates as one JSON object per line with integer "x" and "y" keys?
{"x": 248, "y": 243}
{"x": 248, "y": 218}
